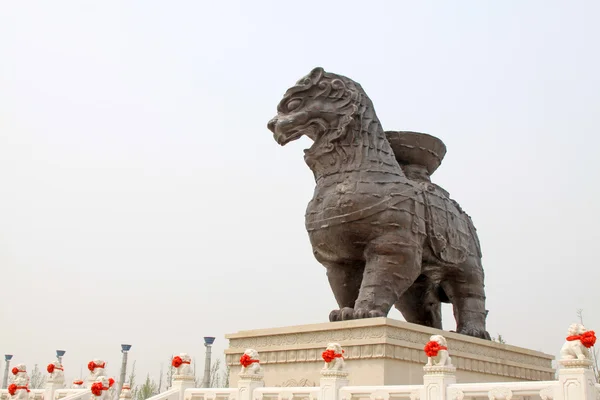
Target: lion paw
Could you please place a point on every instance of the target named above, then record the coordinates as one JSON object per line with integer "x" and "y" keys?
{"x": 348, "y": 313}
{"x": 475, "y": 332}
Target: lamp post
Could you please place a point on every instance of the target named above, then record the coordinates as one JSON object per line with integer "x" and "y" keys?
{"x": 124, "y": 349}
{"x": 7, "y": 358}
{"x": 59, "y": 355}
{"x": 208, "y": 342}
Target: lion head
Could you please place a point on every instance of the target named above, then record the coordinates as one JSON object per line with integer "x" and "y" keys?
{"x": 576, "y": 329}
{"x": 439, "y": 339}
{"x": 328, "y": 108}
{"x": 253, "y": 354}
{"x": 337, "y": 349}
{"x": 185, "y": 357}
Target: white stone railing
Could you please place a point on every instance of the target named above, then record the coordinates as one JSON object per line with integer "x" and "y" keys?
{"x": 211, "y": 394}
{"x": 70, "y": 394}
{"x": 381, "y": 392}
{"x": 576, "y": 381}
{"x": 286, "y": 393}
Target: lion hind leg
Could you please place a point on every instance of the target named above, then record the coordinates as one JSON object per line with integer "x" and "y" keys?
{"x": 419, "y": 304}
{"x": 393, "y": 264}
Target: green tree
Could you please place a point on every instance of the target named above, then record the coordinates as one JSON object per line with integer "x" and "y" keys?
{"x": 147, "y": 390}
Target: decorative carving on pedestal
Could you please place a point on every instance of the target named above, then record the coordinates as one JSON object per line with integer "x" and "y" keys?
{"x": 57, "y": 373}
{"x": 250, "y": 362}
{"x": 455, "y": 394}
{"x": 500, "y": 393}
{"x": 19, "y": 388}
{"x": 334, "y": 361}
{"x": 77, "y": 384}
{"x": 547, "y": 393}
{"x": 298, "y": 383}
{"x": 182, "y": 364}
{"x": 96, "y": 368}
{"x": 576, "y": 346}
{"x": 101, "y": 387}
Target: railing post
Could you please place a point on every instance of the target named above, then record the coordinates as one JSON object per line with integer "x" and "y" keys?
{"x": 439, "y": 371}
{"x": 576, "y": 380}
{"x": 334, "y": 375}
{"x": 250, "y": 376}
{"x": 56, "y": 379}
{"x": 183, "y": 378}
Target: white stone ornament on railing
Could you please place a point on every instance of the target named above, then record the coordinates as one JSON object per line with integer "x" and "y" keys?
{"x": 250, "y": 362}
{"x": 125, "y": 392}
{"x": 57, "y": 373}
{"x": 575, "y": 353}
{"x": 183, "y": 367}
{"x": 96, "y": 368}
{"x": 438, "y": 358}
{"x": 19, "y": 388}
{"x": 334, "y": 360}
{"x": 78, "y": 384}
{"x": 101, "y": 387}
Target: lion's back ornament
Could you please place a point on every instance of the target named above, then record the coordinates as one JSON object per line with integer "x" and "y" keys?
{"x": 385, "y": 233}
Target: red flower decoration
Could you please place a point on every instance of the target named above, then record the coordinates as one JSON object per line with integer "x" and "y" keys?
{"x": 330, "y": 355}
{"x": 92, "y": 366}
{"x": 50, "y": 368}
{"x": 588, "y": 338}
{"x": 97, "y": 388}
{"x": 77, "y": 382}
{"x": 246, "y": 360}
{"x": 177, "y": 361}
{"x": 432, "y": 349}
{"x": 12, "y": 388}
{"x": 111, "y": 382}
{"x": 15, "y": 370}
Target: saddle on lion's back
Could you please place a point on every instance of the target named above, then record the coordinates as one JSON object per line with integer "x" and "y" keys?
{"x": 450, "y": 231}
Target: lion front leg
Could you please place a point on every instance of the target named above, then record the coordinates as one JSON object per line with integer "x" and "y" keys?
{"x": 345, "y": 280}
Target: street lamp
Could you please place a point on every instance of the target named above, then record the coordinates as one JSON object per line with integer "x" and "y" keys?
{"x": 208, "y": 342}
{"x": 7, "y": 358}
{"x": 59, "y": 355}
{"x": 124, "y": 349}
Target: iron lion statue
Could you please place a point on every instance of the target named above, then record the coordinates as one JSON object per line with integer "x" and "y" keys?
{"x": 385, "y": 234}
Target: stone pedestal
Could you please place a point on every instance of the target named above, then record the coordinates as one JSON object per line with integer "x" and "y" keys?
{"x": 576, "y": 381}
{"x": 380, "y": 351}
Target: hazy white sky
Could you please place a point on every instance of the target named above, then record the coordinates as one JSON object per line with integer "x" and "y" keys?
{"x": 144, "y": 201}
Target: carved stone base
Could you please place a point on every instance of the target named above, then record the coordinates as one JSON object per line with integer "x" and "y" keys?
{"x": 575, "y": 363}
{"x": 381, "y": 351}
{"x": 439, "y": 370}
{"x": 183, "y": 378}
{"x": 332, "y": 373}
{"x": 251, "y": 377}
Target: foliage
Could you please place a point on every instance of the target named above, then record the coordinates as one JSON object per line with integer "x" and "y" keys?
{"x": 147, "y": 390}
{"x": 37, "y": 379}
{"x": 499, "y": 339}
{"x": 170, "y": 373}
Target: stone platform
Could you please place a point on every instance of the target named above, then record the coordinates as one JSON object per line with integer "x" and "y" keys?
{"x": 380, "y": 351}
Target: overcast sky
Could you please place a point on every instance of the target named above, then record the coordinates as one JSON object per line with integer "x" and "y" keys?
{"x": 144, "y": 201}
